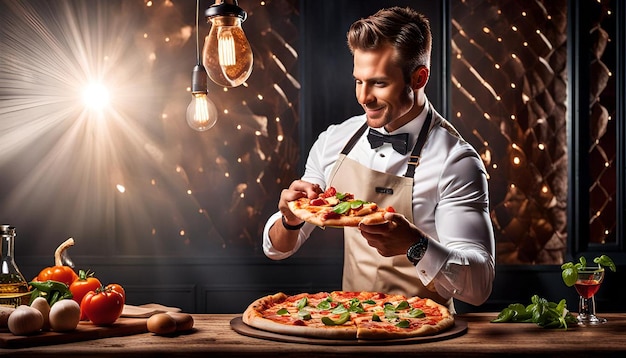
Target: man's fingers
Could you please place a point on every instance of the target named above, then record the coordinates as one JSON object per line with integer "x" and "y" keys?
{"x": 387, "y": 226}
{"x": 309, "y": 190}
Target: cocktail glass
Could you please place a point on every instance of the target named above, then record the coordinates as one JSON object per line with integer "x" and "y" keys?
{"x": 587, "y": 284}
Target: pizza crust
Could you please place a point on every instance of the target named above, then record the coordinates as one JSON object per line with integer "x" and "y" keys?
{"x": 348, "y": 331}
{"x": 376, "y": 218}
{"x": 381, "y": 330}
{"x": 253, "y": 312}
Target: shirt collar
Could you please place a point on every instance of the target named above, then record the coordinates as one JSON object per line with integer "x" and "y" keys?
{"x": 413, "y": 127}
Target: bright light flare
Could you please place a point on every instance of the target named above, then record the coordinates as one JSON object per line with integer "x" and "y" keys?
{"x": 62, "y": 65}
{"x": 96, "y": 96}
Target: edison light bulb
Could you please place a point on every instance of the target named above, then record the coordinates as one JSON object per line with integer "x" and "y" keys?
{"x": 227, "y": 55}
{"x": 201, "y": 112}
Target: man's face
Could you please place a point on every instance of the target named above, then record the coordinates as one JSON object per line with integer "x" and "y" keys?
{"x": 381, "y": 89}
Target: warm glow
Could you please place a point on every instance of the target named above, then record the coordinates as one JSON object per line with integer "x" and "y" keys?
{"x": 227, "y": 55}
{"x": 91, "y": 104}
{"x": 96, "y": 96}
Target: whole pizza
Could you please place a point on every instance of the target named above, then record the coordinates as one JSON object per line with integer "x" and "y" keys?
{"x": 348, "y": 315}
{"x": 336, "y": 209}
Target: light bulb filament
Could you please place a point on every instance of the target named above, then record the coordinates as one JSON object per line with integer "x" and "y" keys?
{"x": 202, "y": 110}
{"x": 226, "y": 48}
{"x": 227, "y": 55}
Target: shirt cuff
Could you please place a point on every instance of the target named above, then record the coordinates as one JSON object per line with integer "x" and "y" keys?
{"x": 268, "y": 248}
{"x": 433, "y": 261}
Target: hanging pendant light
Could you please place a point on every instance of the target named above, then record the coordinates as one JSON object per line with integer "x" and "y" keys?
{"x": 227, "y": 55}
{"x": 201, "y": 113}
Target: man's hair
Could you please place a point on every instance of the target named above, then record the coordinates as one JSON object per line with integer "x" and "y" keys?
{"x": 405, "y": 29}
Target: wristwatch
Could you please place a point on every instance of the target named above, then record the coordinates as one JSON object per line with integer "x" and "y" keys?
{"x": 417, "y": 250}
{"x": 291, "y": 227}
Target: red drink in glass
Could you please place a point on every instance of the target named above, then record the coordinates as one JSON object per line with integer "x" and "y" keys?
{"x": 587, "y": 284}
{"x": 587, "y": 288}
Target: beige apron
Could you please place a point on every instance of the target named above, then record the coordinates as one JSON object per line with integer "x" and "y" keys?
{"x": 364, "y": 268}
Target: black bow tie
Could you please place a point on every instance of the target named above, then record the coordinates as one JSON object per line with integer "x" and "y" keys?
{"x": 399, "y": 142}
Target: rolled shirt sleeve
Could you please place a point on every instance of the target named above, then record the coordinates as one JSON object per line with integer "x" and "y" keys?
{"x": 460, "y": 261}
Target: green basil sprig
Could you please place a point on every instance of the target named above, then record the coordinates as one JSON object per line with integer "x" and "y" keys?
{"x": 540, "y": 311}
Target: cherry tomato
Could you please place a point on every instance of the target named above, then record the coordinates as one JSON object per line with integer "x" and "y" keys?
{"x": 86, "y": 282}
{"x": 63, "y": 274}
{"x": 102, "y": 307}
{"x": 331, "y": 191}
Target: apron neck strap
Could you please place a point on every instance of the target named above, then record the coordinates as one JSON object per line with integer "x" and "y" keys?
{"x": 354, "y": 139}
{"x": 414, "y": 159}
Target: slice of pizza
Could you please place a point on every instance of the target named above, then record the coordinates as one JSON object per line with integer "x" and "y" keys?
{"x": 334, "y": 209}
{"x": 414, "y": 317}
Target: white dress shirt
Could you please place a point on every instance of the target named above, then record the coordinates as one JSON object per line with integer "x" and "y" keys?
{"x": 450, "y": 202}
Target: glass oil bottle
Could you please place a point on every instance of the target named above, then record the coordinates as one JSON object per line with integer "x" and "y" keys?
{"x": 13, "y": 286}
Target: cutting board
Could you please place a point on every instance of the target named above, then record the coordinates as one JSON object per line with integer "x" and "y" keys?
{"x": 85, "y": 331}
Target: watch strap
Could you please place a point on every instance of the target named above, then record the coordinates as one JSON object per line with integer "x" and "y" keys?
{"x": 291, "y": 227}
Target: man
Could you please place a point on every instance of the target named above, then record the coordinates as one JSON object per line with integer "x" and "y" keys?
{"x": 439, "y": 243}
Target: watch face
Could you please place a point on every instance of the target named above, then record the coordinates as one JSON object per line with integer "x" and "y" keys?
{"x": 417, "y": 250}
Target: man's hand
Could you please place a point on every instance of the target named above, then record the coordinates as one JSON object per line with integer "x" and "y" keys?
{"x": 298, "y": 189}
{"x": 282, "y": 239}
{"x": 393, "y": 237}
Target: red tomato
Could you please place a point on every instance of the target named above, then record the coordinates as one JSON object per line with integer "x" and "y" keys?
{"x": 102, "y": 307}
{"x": 85, "y": 283}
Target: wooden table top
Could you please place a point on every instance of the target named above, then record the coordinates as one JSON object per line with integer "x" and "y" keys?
{"x": 213, "y": 336}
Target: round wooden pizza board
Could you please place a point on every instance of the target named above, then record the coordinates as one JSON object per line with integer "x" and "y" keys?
{"x": 237, "y": 324}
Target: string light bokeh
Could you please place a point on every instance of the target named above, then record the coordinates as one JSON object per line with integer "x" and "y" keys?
{"x": 602, "y": 111}
{"x": 131, "y": 175}
{"x": 509, "y": 98}
{"x": 509, "y": 94}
